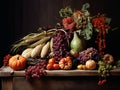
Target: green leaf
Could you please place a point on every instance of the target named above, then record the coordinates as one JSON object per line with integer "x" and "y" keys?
{"x": 85, "y": 6}
{"x": 87, "y": 32}
{"x": 66, "y": 12}
{"x": 108, "y": 20}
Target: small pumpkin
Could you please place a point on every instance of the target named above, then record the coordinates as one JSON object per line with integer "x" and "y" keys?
{"x": 17, "y": 62}
{"x": 65, "y": 63}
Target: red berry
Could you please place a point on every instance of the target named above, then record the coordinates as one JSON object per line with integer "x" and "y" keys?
{"x": 99, "y": 82}
{"x": 104, "y": 81}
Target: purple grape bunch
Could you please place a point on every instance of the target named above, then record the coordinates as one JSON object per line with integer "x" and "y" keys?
{"x": 36, "y": 71}
{"x": 87, "y": 54}
{"x": 60, "y": 44}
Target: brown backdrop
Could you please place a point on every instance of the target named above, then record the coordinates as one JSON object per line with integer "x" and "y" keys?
{"x": 20, "y": 17}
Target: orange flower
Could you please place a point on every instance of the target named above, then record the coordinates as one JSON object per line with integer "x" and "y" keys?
{"x": 69, "y": 23}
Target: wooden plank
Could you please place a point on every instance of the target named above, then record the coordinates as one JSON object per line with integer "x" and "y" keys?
{"x": 7, "y": 71}
{"x": 7, "y": 83}
{"x": 65, "y": 83}
{"x": 54, "y": 83}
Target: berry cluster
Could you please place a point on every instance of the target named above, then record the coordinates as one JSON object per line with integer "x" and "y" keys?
{"x": 36, "y": 71}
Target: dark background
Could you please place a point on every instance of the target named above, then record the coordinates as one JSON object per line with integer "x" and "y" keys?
{"x": 20, "y": 17}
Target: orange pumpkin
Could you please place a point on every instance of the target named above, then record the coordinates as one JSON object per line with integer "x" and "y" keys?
{"x": 17, "y": 62}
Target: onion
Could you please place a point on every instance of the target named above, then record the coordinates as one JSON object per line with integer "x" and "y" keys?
{"x": 90, "y": 64}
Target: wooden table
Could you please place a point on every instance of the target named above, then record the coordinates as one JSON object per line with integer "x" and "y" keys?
{"x": 55, "y": 80}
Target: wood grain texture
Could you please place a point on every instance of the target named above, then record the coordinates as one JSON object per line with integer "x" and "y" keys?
{"x": 7, "y": 83}
{"x": 7, "y": 71}
{"x": 58, "y": 80}
{"x": 65, "y": 83}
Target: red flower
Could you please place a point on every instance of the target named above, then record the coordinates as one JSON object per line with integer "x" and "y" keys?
{"x": 69, "y": 23}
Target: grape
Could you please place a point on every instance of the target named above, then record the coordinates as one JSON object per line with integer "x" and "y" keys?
{"x": 75, "y": 63}
{"x": 104, "y": 68}
{"x": 36, "y": 71}
{"x": 6, "y": 59}
{"x": 35, "y": 75}
{"x": 60, "y": 44}
{"x": 87, "y": 54}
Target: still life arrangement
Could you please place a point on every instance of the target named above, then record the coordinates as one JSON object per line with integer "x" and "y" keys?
{"x": 64, "y": 46}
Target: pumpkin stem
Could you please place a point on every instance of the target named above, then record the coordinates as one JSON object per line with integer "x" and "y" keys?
{"x": 18, "y": 58}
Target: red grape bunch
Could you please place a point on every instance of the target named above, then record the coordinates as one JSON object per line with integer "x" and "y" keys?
{"x": 36, "y": 71}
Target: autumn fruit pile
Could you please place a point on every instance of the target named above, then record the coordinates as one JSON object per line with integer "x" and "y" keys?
{"x": 57, "y": 49}
{"x": 54, "y": 46}
{"x": 63, "y": 47}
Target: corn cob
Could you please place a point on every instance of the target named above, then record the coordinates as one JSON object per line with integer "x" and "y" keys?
{"x": 27, "y": 52}
{"x": 41, "y": 41}
{"x": 37, "y": 50}
{"x": 45, "y": 50}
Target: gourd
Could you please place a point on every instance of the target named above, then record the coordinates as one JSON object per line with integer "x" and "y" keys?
{"x": 17, "y": 62}
{"x": 76, "y": 43}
